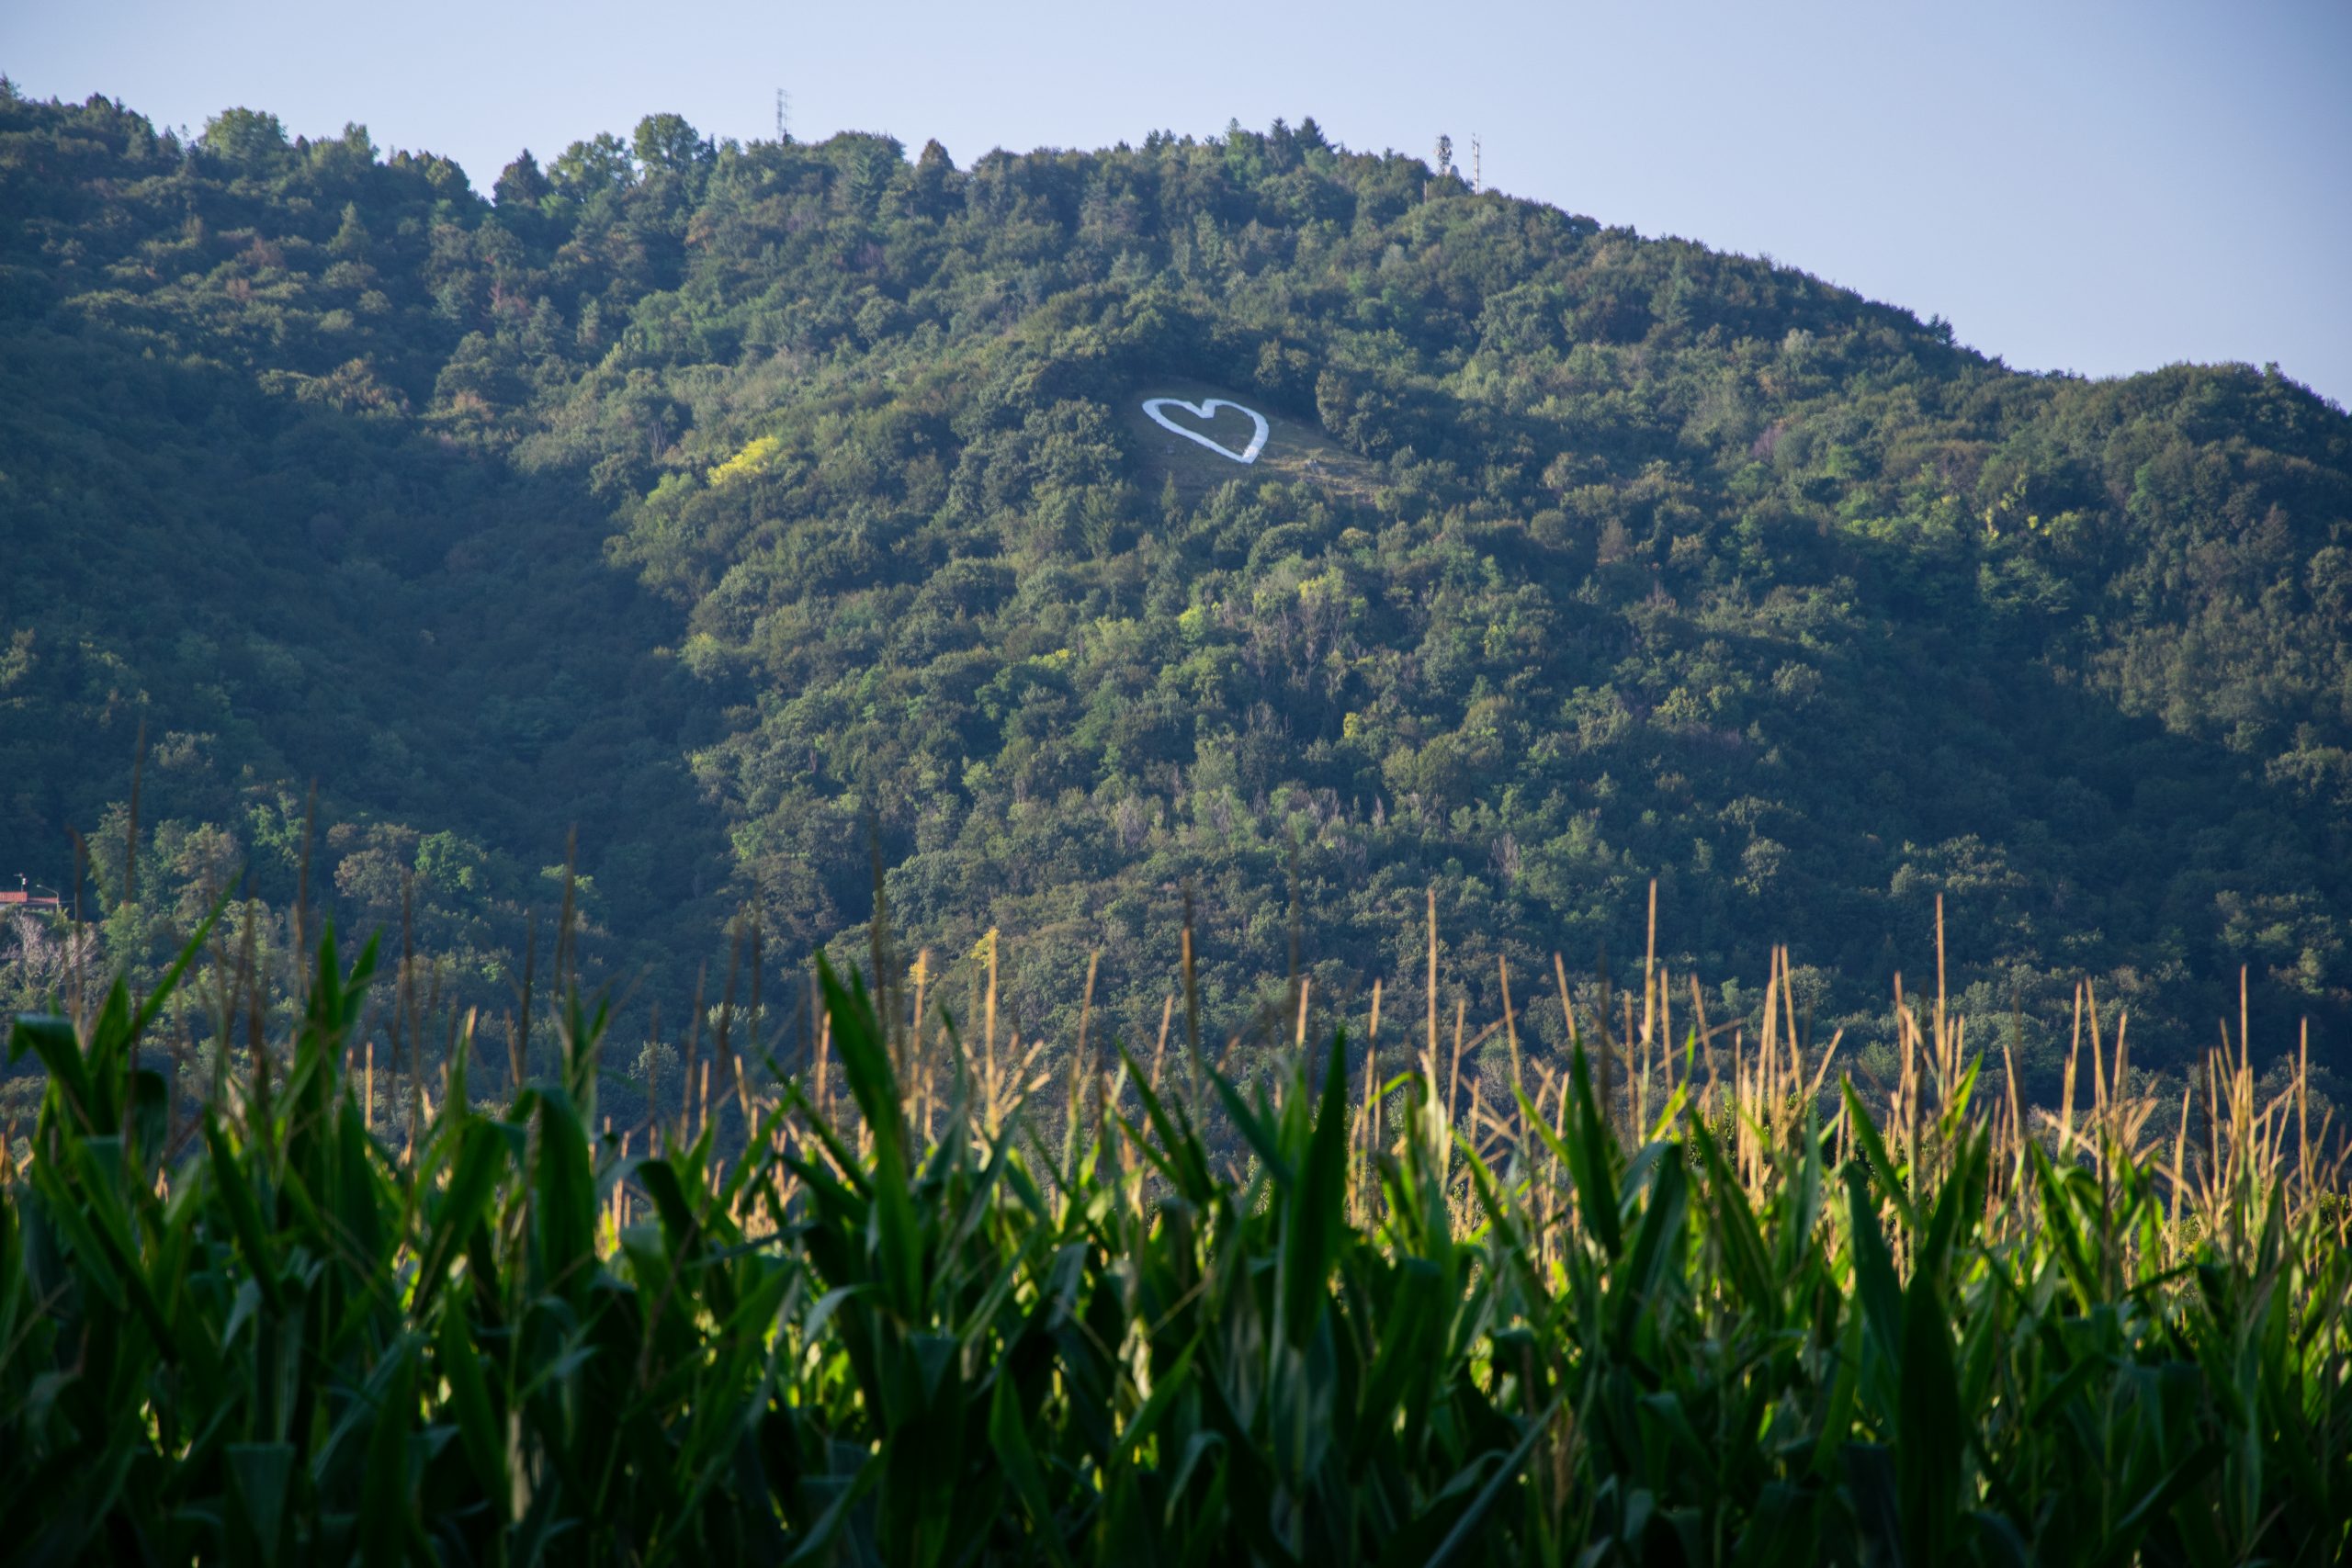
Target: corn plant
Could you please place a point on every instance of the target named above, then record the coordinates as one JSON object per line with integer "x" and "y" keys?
{"x": 1260, "y": 1318}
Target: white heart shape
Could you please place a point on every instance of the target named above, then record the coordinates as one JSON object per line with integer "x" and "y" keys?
{"x": 1203, "y": 411}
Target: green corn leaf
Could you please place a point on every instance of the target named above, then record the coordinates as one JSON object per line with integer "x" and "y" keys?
{"x": 258, "y": 1478}
{"x": 482, "y": 1160}
{"x": 1657, "y": 1255}
{"x": 1838, "y": 1418}
{"x": 1009, "y": 1441}
{"x": 1265, "y": 1140}
{"x": 1874, "y": 1281}
{"x": 1960, "y": 1197}
{"x": 566, "y": 1190}
{"x": 1407, "y": 1347}
{"x": 1591, "y": 1161}
{"x": 2162, "y": 1499}
{"x": 245, "y": 1215}
{"x": 1926, "y": 1459}
{"x": 53, "y": 1041}
{"x": 2058, "y": 1217}
{"x": 100, "y": 1165}
{"x": 1166, "y": 1387}
{"x": 1882, "y": 1165}
{"x": 460, "y": 1365}
{"x": 1741, "y": 1242}
{"x": 1465, "y": 1526}
{"x": 1178, "y": 1153}
{"x": 1798, "y": 1207}
{"x": 1314, "y": 1215}
{"x": 387, "y": 1522}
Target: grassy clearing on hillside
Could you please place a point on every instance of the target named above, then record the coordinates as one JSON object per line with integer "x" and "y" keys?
{"x": 1295, "y": 453}
{"x": 1654, "y": 1309}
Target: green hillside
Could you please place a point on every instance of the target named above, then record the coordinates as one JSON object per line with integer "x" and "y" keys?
{"x": 753, "y": 508}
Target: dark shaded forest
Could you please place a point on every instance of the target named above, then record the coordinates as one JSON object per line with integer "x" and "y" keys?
{"x": 764, "y": 512}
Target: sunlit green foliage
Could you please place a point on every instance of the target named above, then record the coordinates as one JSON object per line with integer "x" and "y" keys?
{"x": 722, "y": 499}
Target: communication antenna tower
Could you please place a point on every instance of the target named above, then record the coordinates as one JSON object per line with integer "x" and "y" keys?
{"x": 783, "y": 115}
{"x": 1477, "y": 177}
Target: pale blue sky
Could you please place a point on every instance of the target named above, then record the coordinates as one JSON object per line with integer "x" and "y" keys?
{"x": 2093, "y": 188}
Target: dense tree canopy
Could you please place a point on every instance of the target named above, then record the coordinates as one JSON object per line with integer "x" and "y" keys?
{"x": 751, "y": 508}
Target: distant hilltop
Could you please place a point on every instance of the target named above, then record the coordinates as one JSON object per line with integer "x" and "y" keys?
{"x": 1238, "y": 523}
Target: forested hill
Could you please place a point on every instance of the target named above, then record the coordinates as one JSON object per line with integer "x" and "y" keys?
{"x": 722, "y": 499}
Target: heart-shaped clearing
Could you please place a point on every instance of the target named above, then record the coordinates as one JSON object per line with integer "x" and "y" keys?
{"x": 1204, "y": 411}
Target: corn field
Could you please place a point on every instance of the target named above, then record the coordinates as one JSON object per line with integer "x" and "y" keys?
{"x": 921, "y": 1300}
